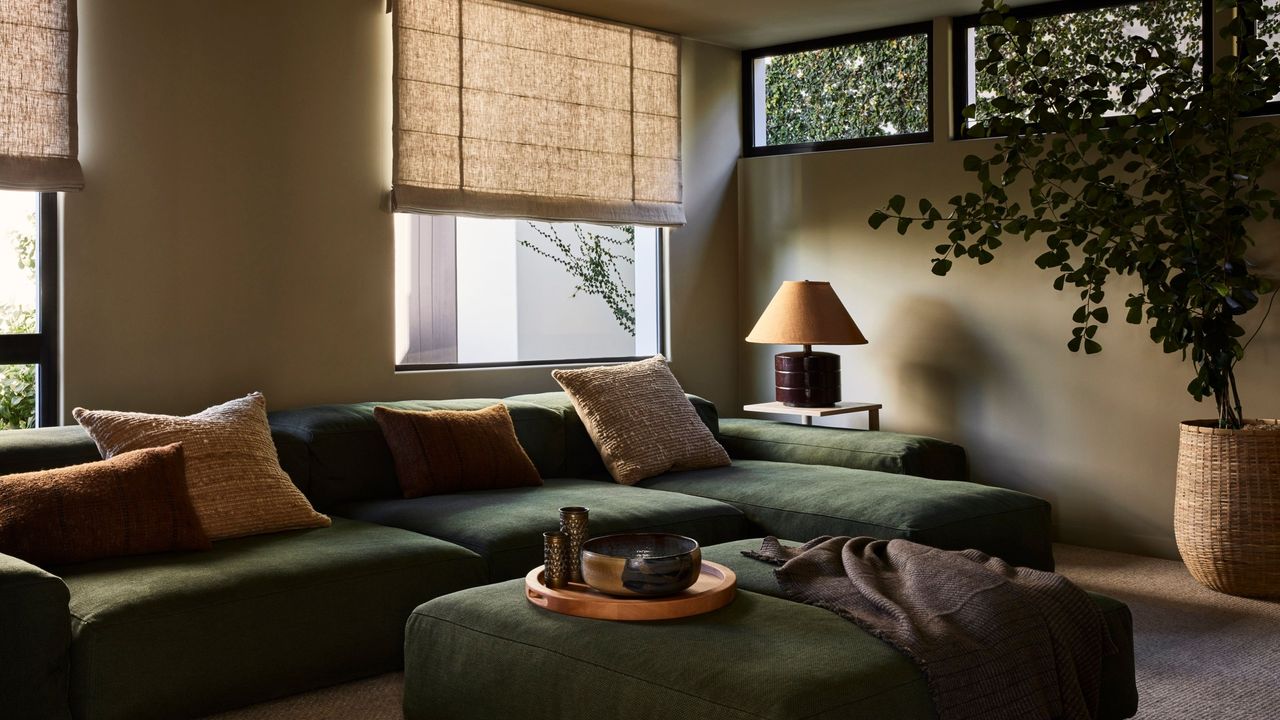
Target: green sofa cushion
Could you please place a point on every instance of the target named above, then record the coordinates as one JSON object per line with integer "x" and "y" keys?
{"x": 182, "y": 635}
{"x": 35, "y": 639}
{"x": 45, "y": 448}
{"x": 506, "y": 526}
{"x": 582, "y": 460}
{"x": 805, "y": 501}
{"x": 337, "y": 454}
{"x": 1119, "y": 686}
{"x": 918, "y": 455}
{"x": 759, "y": 657}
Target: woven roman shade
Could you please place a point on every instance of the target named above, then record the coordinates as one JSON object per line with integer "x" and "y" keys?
{"x": 511, "y": 110}
{"x": 38, "y": 96}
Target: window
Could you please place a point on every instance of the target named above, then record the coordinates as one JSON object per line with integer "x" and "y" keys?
{"x": 28, "y": 309}
{"x": 476, "y": 292}
{"x": 869, "y": 88}
{"x": 1072, "y": 29}
{"x": 1268, "y": 31}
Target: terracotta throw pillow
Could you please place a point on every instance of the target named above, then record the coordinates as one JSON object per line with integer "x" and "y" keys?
{"x": 233, "y": 473}
{"x": 640, "y": 420}
{"x": 133, "y": 504}
{"x": 447, "y": 451}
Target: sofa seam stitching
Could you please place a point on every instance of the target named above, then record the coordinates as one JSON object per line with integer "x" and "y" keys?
{"x": 864, "y": 698}
{"x": 887, "y": 527}
{"x": 644, "y": 528}
{"x": 91, "y": 619}
{"x": 748, "y": 713}
{"x": 819, "y": 447}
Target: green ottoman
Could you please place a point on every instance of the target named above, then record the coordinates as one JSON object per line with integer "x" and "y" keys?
{"x": 488, "y": 653}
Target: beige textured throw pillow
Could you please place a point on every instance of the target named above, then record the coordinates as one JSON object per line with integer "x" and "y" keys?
{"x": 640, "y": 420}
{"x": 233, "y": 474}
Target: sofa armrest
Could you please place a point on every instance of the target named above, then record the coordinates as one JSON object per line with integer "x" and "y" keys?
{"x": 747, "y": 439}
{"x": 35, "y": 641}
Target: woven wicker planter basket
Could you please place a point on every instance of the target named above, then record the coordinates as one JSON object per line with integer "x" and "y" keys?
{"x": 1227, "y": 510}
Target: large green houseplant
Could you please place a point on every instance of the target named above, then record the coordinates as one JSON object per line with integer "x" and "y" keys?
{"x": 1130, "y": 163}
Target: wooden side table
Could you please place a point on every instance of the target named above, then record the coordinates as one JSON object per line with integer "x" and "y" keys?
{"x": 807, "y": 414}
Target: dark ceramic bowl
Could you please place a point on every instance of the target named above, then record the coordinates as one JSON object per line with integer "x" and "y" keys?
{"x": 641, "y": 564}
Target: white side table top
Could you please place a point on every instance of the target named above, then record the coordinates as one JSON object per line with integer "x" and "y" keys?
{"x": 837, "y": 409}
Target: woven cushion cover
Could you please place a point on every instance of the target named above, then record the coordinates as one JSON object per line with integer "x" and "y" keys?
{"x": 233, "y": 474}
{"x": 132, "y": 504}
{"x": 506, "y": 526}
{"x": 447, "y": 451}
{"x": 805, "y": 501}
{"x": 640, "y": 420}
{"x": 253, "y": 619}
{"x": 581, "y": 459}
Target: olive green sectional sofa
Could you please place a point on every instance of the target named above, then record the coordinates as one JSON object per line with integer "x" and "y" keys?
{"x": 184, "y": 634}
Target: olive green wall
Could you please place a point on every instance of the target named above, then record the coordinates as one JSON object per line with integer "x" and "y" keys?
{"x": 230, "y": 236}
{"x": 980, "y": 357}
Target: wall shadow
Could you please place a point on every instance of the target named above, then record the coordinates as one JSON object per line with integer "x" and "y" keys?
{"x": 932, "y": 361}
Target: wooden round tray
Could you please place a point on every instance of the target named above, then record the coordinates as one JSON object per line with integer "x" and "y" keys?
{"x": 714, "y": 589}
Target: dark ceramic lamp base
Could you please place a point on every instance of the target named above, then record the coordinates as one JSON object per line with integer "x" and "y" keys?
{"x": 807, "y": 378}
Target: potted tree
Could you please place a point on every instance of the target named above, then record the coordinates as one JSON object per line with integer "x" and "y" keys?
{"x": 1134, "y": 161}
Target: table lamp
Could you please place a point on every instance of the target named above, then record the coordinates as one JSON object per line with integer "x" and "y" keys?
{"x": 805, "y": 312}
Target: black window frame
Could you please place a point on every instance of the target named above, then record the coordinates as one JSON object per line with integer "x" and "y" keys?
{"x": 1273, "y": 107}
{"x": 41, "y": 347}
{"x": 749, "y": 149}
{"x": 661, "y": 309}
{"x": 960, "y": 26}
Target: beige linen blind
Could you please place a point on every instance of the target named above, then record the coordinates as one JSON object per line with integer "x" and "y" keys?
{"x": 510, "y": 110}
{"x": 38, "y": 96}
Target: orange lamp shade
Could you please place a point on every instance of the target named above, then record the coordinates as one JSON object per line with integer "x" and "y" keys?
{"x": 805, "y": 312}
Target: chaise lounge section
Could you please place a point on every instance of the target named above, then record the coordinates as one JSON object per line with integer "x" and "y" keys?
{"x": 802, "y": 482}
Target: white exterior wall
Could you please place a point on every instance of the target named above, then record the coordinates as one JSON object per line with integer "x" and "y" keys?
{"x": 514, "y": 304}
{"x": 553, "y": 324}
{"x": 488, "y": 307}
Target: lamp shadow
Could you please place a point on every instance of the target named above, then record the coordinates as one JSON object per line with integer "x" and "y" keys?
{"x": 933, "y": 362}
{"x": 947, "y": 381}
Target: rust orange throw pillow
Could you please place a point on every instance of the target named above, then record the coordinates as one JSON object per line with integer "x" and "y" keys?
{"x": 132, "y": 504}
{"x": 447, "y": 451}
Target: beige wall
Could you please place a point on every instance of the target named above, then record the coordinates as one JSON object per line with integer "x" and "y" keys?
{"x": 980, "y": 357}
{"x": 703, "y": 257}
{"x": 230, "y": 236}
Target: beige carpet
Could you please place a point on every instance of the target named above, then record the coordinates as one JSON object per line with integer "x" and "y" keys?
{"x": 1201, "y": 655}
{"x": 377, "y": 698}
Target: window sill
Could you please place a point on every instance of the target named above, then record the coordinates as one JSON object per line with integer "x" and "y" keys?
{"x": 439, "y": 367}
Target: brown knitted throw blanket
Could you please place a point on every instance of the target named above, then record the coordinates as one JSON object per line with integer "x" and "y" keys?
{"x": 994, "y": 641}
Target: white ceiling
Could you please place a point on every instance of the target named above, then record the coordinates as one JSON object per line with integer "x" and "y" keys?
{"x": 758, "y": 23}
